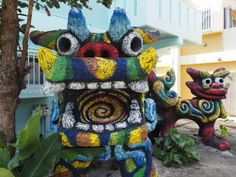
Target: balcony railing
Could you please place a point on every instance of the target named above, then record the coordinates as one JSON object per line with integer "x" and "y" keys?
{"x": 212, "y": 21}
{"x": 35, "y": 79}
{"x": 206, "y": 20}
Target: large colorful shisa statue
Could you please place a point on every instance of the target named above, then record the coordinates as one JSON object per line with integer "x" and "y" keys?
{"x": 102, "y": 80}
{"x": 204, "y": 109}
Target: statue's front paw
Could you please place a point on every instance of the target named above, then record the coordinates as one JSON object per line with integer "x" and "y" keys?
{"x": 224, "y": 145}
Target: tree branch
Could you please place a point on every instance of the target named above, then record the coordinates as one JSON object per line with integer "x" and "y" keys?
{"x": 25, "y": 42}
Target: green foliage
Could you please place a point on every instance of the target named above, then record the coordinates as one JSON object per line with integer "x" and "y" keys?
{"x": 37, "y": 165}
{"x": 28, "y": 140}
{"x": 175, "y": 149}
{"x": 30, "y": 134}
{"x": 223, "y": 131}
{"x": 35, "y": 158}
{"x": 43, "y": 159}
{"x": 4, "y": 157}
{"x": 6, "y": 173}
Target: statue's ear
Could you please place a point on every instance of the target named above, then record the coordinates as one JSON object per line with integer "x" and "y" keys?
{"x": 119, "y": 25}
{"x": 46, "y": 39}
{"x": 77, "y": 24}
{"x": 195, "y": 74}
{"x": 148, "y": 36}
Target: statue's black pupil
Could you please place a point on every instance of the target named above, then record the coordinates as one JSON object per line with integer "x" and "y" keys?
{"x": 64, "y": 44}
{"x": 136, "y": 44}
{"x": 208, "y": 81}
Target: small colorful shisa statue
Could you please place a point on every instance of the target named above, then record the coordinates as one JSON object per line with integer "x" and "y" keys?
{"x": 102, "y": 81}
{"x": 204, "y": 109}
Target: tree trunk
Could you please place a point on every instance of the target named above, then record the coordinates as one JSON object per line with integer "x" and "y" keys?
{"x": 9, "y": 87}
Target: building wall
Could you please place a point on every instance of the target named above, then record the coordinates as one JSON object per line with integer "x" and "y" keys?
{"x": 162, "y": 70}
{"x": 210, "y": 43}
{"x": 229, "y": 39}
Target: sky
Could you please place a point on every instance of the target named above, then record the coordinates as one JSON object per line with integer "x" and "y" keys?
{"x": 58, "y": 19}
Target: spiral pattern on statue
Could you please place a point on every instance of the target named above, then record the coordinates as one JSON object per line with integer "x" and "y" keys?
{"x": 103, "y": 106}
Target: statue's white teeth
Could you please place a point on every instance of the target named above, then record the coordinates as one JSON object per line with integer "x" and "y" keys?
{"x": 119, "y": 85}
{"x": 68, "y": 119}
{"x": 97, "y": 85}
{"x": 136, "y": 86}
{"x": 139, "y": 86}
{"x": 106, "y": 85}
{"x": 49, "y": 87}
{"x": 92, "y": 85}
{"x": 76, "y": 85}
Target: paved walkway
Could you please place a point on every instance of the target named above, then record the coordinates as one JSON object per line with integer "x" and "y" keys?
{"x": 213, "y": 163}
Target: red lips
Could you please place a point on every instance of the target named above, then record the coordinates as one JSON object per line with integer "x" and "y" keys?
{"x": 215, "y": 92}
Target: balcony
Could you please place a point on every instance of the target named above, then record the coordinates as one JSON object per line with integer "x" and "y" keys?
{"x": 212, "y": 21}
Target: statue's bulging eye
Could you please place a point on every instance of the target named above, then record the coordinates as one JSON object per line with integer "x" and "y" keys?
{"x": 67, "y": 44}
{"x": 219, "y": 80}
{"x": 132, "y": 44}
{"x": 207, "y": 81}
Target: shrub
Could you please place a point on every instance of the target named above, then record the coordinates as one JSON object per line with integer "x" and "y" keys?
{"x": 175, "y": 149}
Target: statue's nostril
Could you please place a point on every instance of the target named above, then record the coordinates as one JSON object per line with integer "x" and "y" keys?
{"x": 105, "y": 54}
{"x": 89, "y": 53}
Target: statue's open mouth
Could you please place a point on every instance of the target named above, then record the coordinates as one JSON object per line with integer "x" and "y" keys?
{"x": 212, "y": 93}
{"x": 101, "y": 110}
{"x": 100, "y": 106}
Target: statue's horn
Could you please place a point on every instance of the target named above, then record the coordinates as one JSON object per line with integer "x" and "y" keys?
{"x": 221, "y": 72}
{"x": 119, "y": 25}
{"x": 77, "y": 24}
{"x": 195, "y": 74}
